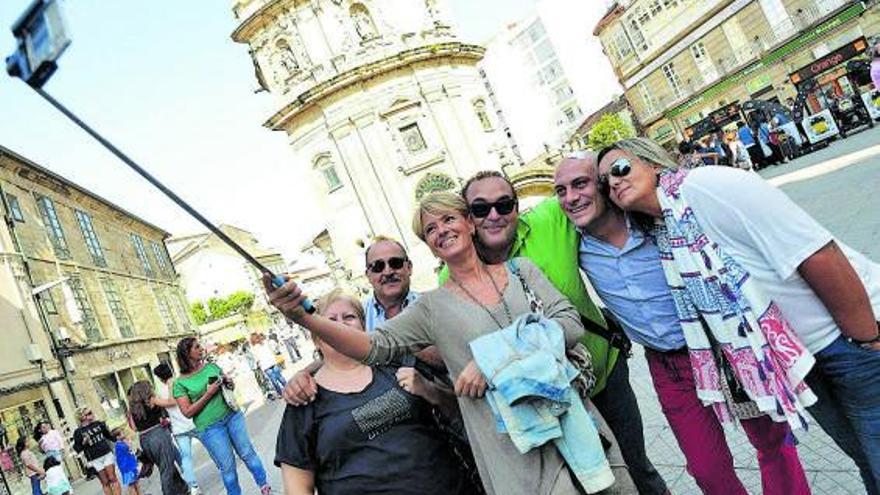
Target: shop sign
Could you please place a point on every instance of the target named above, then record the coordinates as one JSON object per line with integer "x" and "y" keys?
{"x": 833, "y": 59}
{"x": 662, "y": 133}
{"x": 820, "y": 126}
{"x": 757, "y": 84}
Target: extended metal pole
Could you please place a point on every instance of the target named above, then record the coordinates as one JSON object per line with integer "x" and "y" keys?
{"x": 307, "y": 305}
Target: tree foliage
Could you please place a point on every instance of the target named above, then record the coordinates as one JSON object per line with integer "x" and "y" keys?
{"x": 221, "y": 307}
{"x": 610, "y": 129}
{"x": 198, "y": 312}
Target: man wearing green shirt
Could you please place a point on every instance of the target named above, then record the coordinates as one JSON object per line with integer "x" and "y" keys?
{"x": 546, "y": 236}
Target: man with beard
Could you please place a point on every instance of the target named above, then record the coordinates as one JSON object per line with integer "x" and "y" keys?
{"x": 546, "y": 236}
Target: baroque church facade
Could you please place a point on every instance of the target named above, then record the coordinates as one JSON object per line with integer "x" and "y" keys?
{"x": 380, "y": 102}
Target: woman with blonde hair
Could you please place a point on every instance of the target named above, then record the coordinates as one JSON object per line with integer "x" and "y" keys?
{"x": 768, "y": 299}
{"x": 148, "y": 419}
{"x": 477, "y": 300}
{"x": 366, "y": 431}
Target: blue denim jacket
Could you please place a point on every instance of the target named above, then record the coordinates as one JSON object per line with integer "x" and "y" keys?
{"x": 532, "y": 399}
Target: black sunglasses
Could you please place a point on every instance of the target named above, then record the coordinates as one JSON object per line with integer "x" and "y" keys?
{"x": 502, "y": 206}
{"x": 395, "y": 262}
{"x": 620, "y": 168}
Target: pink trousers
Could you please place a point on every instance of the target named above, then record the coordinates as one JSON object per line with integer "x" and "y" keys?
{"x": 701, "y": 436}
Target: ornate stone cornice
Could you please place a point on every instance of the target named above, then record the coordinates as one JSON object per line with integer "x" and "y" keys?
{"x": 371, "y": 70}
{"x": 264, "y": 15}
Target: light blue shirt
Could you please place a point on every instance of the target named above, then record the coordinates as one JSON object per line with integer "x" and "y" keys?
{"x": 633, "y": 286}
{"x": 374, "y": 313}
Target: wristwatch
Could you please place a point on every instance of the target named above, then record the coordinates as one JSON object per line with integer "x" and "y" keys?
{"x": 867, "y": 344}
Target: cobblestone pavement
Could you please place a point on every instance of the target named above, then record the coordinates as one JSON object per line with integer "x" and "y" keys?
{"x": 843, "y": 198}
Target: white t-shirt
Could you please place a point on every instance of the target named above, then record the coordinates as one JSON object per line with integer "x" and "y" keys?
{"x": 770, "y": 236}
{"x": 264, "y": 356}
{"x": 179, "y": 422}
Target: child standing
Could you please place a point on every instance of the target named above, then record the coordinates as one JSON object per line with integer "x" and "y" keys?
{"x": 126, "y": 462}
{"x": 56, "y": 480}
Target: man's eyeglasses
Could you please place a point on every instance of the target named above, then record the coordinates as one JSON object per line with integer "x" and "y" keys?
{"x": 502, "y": 206}
{"x": 378, "y": 266}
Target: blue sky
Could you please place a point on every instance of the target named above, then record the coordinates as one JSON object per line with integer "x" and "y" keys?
{"x": 165, "y": 83}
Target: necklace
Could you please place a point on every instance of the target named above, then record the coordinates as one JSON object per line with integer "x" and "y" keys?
{"x": 477, "y": 301}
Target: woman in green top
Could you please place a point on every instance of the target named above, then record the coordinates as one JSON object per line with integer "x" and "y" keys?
{"x": 221, "y": 429}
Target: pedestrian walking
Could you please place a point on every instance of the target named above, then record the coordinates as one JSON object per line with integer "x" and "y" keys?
{"x": 323, "y": 446}
{"x": 56, "y": 479}
{"x": 747, "y": 137}
{"x": 154, "y": 436}
{"x": 222, "y": 429}
{"x": 182, "y": 428}
{"x": 875, "y": 66}
{"x": 765, "y": 274}
{"x": 268, "y": 361}
{"x": 50, "y": 440}
{"x": 32, "y": 468}
{"x": 126, "y": 461}
{"x": 92, "y": 439}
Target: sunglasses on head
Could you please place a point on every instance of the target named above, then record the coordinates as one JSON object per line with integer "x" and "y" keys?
{"x": 502, "y": 206}
{"x": 378, "y": 266}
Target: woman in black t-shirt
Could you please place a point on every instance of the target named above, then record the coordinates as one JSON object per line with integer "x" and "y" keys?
{"x": 92, "y": 440}
{"x": 155, "y": 438}
{"x": 365, "y": 432}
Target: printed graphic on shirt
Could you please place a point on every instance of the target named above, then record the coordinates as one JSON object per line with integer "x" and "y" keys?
{"x": 380, "y": 414}
{"x": 93, "y": 436}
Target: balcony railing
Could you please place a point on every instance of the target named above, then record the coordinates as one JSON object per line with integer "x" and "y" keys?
{"x": 740, "y": 56}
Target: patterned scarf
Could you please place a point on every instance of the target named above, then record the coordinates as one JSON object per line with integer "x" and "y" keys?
{"x": 708, "y": 286}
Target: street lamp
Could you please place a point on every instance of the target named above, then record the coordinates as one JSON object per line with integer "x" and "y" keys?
{"x": 42, "y": 38}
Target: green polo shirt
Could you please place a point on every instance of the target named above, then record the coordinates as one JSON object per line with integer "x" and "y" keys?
{"x": 548, "y": 238}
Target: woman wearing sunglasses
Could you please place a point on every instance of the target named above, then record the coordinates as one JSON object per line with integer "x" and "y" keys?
{"x": 774, "y": 310}
{"x": 476, "y": 300}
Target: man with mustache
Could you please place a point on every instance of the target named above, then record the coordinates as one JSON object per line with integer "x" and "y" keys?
{"x": 548, "y": 239}
{"x": 388, "y": 268}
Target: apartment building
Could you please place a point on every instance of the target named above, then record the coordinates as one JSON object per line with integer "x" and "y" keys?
{"x": 90, "y": 302}
{"x": 681, "y": 60}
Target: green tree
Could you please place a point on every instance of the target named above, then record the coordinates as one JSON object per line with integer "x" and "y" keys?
{"x": 198, "y": 312}
{"x": 217, "y": 308}
{"x": 239, "y": 302}
{"x": 610, "y": 129}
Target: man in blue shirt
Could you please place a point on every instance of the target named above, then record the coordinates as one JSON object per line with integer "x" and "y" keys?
{"x": 388, "y": 270}
{"x": 623, "y": 265}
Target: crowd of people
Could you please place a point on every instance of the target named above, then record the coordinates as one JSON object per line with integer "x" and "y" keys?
{"x": 758, "y": 317}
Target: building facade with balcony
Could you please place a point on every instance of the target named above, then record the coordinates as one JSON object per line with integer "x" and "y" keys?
{"x": 90, "y": 303}
{"x": 546, "y": 72}
{"x": 374, "y": 95}
{"x": 680, "y": 60}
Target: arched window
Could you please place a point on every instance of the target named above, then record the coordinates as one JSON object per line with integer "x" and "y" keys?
{"x": 325, "y": 167}
{"x": 482, "y": 115}
{"x": 363, "y": 22}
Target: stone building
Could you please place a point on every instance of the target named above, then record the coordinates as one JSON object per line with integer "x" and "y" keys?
{"x": 374, "y": 95}
{"x": 680, "y": 61}
{"x": 546, "y": 72}
{"x": 90, "y": 302}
